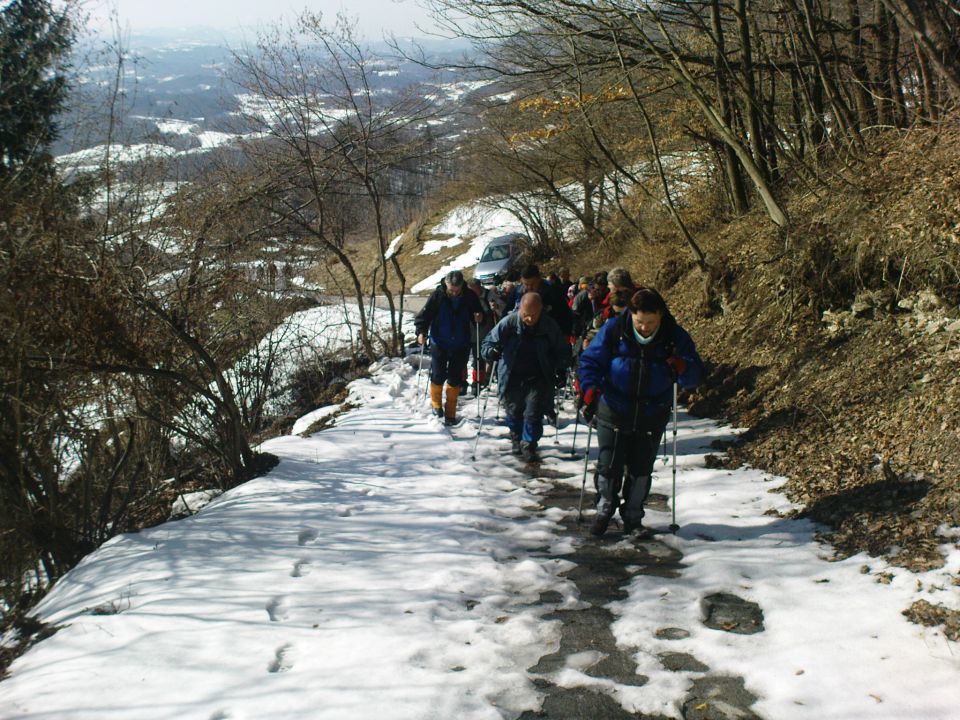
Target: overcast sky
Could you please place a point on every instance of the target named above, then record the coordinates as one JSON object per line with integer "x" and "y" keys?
{"x": 375, "y": 18}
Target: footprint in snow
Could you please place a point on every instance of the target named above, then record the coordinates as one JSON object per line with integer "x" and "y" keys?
{"x": 348, "y": 510}
{"x": 276, "y": 609}
{"x": 305, "y": 536}
{"x": 298, "y": 567}
{"x": 281, "y": 661}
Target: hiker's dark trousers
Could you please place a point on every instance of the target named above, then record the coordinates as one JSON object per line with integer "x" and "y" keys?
{"x": 628, "y": 445}
{"x": 524, "y": 403}
{"x": 448, "y": 366}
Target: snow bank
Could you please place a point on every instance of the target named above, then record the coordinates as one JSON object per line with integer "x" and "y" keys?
{"x": 467, "y": 223}
{"x": 372, "y": 573}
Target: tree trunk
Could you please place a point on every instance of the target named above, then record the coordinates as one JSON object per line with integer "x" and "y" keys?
{"x": 751, "y": 98}
{"x": 731, "y": 165}
{"x": 930, "y": 30}
{"x": 866, "y": 108}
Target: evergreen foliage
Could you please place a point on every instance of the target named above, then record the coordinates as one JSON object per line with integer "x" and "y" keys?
{"x": 35, "y": 41}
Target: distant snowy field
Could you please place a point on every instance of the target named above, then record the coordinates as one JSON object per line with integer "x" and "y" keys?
{"x": 379, "y": 572}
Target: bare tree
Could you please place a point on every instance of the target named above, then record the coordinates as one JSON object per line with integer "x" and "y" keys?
{"x": 333, "y": 150}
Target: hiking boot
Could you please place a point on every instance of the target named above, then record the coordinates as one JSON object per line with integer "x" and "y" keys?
{"x": 551, "y": 418}
{"x": 515, "y": 445}
{"x": 437, "y": 412}
{"x": 447, "y": 420}
{"x": 600, "y": 523}
{"x": 528, "y": 451}
{"x": 632, "y": 528}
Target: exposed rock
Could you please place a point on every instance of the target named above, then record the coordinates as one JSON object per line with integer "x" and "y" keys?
{"x": 719, "y": 698}
{"x": 727, "y": 612}
{"x": 672, "y": 633}
{"x": 682, "y": 662}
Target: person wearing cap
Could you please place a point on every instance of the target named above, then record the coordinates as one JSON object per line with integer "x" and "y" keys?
{"x": 588, "y": 307}
{"x": 481, "y": 369}
{"x": 446, "y": 320}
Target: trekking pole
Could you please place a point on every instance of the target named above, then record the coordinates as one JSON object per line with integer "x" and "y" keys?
{"x": 583, "y": 484}
{"x": 483, "y": 414}
{"x": 476, "y": 374}
{"x": 576, "y": 424}
{"x": 423, "y": 349}
{"x": 419, "y": 372}
{"x": 556, "y": 418}
{"x": 673, "y": 505}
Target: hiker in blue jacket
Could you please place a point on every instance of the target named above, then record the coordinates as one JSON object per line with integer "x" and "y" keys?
{"x": 626, "y": 378}
{"x": 447, "y": 317}
{"x": 532, "y": 356}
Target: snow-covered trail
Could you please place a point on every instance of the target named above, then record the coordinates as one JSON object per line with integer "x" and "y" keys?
{"x": 379, "y": 572}
{"x": 372, "y": 573}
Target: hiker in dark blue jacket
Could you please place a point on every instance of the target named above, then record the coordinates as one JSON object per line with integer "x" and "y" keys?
{"x": 626, "y": 378}
{"x": 447, "y": 317}
{"x": 532, "y": 359}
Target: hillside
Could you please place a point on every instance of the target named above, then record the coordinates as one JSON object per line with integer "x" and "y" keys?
{"x": 836, "y": 345}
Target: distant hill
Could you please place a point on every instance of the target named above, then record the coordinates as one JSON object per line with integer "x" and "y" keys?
{"x": 178, "y": 90}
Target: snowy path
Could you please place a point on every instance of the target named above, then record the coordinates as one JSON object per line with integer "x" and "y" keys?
{"x": 377, "y": 572}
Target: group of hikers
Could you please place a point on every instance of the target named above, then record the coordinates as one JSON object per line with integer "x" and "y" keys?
{"x": 623, "y": 345}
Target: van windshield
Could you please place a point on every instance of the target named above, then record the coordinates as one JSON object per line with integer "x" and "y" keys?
{"x": 495, "y": 252}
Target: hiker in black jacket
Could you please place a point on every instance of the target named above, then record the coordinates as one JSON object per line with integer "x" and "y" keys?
{"x": 447, "y": 318}
{"x": 554, "y": 300}
{"x": 587, "y": 305}
{"x": 626, "y": 378}
{"x": 481, "y": 368}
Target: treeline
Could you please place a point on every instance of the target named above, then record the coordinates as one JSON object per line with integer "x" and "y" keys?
{"x": 622, "y": 111}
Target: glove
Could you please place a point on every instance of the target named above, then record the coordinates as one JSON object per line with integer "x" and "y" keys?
{"x": 590, "y": 397}
{"x": 677, "y": 364}
{"x": 588, "y": 403}
{"x": 492, "y": 355}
